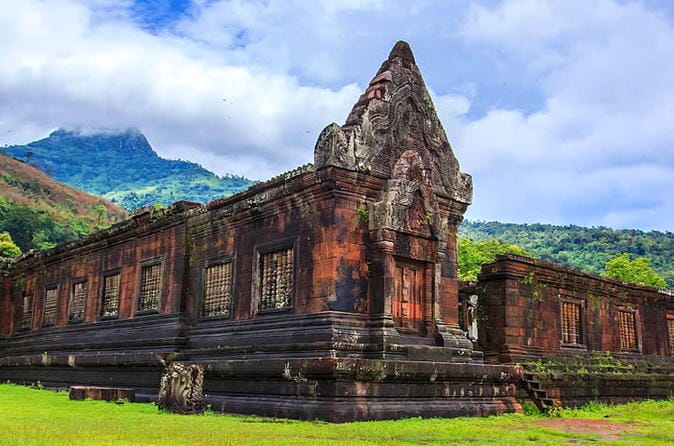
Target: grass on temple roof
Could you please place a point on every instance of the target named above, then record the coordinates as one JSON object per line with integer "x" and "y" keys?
{"x": 39, "y": 417}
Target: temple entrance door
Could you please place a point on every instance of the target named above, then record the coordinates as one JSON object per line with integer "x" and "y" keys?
{"x": 408, "y": 297}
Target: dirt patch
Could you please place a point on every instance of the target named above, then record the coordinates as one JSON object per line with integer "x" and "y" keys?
{"x": 607, "y": 430}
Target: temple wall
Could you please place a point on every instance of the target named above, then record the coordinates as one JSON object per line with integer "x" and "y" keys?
{"x": 521, "y": 302}
{"x": 6, "y": 301}
{"x": 327, "y": 292}
{"x": 124, "y": 254}
{"x": 579, "y": 337}
{"x": 320, "y": 223}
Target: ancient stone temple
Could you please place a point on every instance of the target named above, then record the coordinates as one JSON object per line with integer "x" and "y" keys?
{"x": 579, "y": 337}
{"x": 328, "y": 292}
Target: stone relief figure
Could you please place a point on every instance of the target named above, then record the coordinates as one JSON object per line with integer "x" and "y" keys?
{"x": 469, "y": 317}
{"x": 409, "y": 203}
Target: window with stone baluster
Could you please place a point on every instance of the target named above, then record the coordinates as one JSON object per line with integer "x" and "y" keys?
{"x": 277, "y": 279}
{"x": 110, "y": 296}
{"x": 78, "y": 302}
{"x": 149, "y": 294}
{"x": 26, "y": 321}
{"x": 670, "y": 333}
{"x": 217, "y": 297}
{"x": 49, "y": 306}
{"x": 627, "y": 325}
{"x": 572, "y": 327}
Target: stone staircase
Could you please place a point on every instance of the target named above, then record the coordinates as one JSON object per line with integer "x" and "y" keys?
{"x": 532, "y": 385}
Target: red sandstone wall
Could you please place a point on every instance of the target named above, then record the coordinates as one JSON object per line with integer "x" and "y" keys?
{"x": 338, "y": 264}
{"x": 321, "y": 223}
{"x": 6, "y": 305}
{"x": 520, "y": 300}
{"x": 91, "y": 261}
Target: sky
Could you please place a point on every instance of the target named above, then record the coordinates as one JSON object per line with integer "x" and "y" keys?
{"x": 562, "y": 111}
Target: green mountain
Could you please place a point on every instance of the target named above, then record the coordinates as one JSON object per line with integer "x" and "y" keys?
{"x": 39, "y": 212}
{"x": 578, "y": 247}
{"x": 124, "y": 168}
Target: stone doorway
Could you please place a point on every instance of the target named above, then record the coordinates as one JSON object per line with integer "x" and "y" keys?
{"x": 407, "y": 304}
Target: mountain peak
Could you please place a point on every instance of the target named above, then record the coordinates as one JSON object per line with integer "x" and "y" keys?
{"x": 121, "y": 165}
{"x": 85, "y": 132}
{"x": 131, "y": 139}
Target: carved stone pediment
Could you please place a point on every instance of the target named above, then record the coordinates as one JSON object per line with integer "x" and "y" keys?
{"x": 393, "y": 115}
{"x": 409, "y": 203}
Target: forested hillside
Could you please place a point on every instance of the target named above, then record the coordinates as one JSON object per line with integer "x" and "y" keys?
{"x": 39, "y": 212}
{"x": 124, "y": 168}
{"x": 587, "y": 249}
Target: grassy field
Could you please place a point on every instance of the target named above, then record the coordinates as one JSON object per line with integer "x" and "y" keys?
{"x": 36, "y": 417}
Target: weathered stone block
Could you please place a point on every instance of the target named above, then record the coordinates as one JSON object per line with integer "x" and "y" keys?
{"x": 102, "y": 393}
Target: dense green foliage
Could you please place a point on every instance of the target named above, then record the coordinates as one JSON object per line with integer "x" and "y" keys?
{"x": 38, "y": 212}
{"x": 587, "y": 249}
{"x": 639, "y": 270}
{"x": 472, "y": 255}
{"x": 123, "y": 168}
{"x": 31, "y": 228}
{"x": 39, "y": 417}
{"x": 8, "y": 248}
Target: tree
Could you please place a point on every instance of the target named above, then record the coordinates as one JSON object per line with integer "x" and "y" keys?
{"x": 639, "y": 271}
{"x": 8, "y": 248}
{"x": 100, "y": 211}
{"x": 472, "y": 255}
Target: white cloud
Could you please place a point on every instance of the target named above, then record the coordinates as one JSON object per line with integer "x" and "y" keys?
{"x": 561, "y": 110}
{"x": 62, "y": 69}
{"x": 607, "y": 71}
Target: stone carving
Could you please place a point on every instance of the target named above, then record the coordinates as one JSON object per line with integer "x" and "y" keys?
{"x": 331, "y": 149}
{"x": 181, "y": 388}
{"x": 409, "y": 203}
{"x": 395, "y": 114}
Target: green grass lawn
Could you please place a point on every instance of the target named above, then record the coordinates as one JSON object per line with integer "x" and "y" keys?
{"x": 35, "y": 417}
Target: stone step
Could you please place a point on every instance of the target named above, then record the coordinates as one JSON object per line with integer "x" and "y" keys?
{"x": 101, "y": 393}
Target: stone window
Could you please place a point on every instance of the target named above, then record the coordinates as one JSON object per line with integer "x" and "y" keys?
{"x": 670, "y": 332}
{"x": 572, "y": 323}
{"x": 276, "y": 279}
{"x": 217, "y": 290}
{"x": 110, "y": 297}
{"x": 26, "y": 321}
{"x": 49, "y": 310}
{"x": 627, "y": 324}
{"x": 78, "y": 302}
{"x": 150, "y": 288}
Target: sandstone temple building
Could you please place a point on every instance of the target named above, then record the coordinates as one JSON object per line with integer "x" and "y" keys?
{"x": 330, "y": 292}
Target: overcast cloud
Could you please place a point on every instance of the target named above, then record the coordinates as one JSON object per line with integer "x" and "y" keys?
{"x": 562, "y": 111}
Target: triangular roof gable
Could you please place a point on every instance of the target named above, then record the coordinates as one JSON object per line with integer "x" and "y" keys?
{"x": 395, "y": 114}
